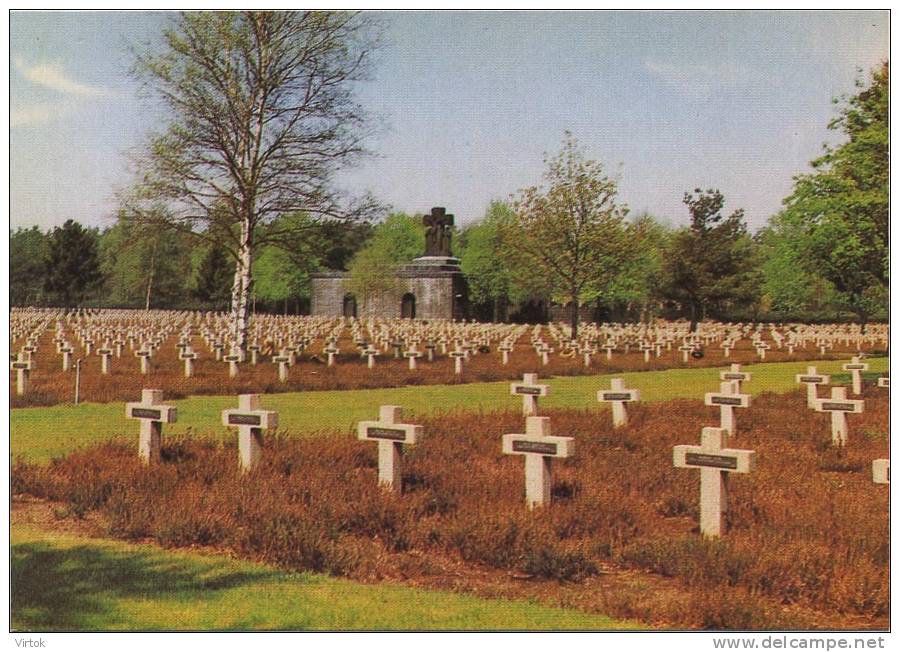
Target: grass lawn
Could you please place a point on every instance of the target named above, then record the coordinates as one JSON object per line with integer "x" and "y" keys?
{"x": 80, "y": 584}
{"x": 38, "y": 434}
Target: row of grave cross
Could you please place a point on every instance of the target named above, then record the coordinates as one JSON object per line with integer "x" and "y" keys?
{"x": 713, "y": 457}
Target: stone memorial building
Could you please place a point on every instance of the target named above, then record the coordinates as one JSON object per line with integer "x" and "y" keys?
{"x": 430, "y": 287}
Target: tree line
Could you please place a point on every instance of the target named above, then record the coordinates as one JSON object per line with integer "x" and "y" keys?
{"x": 233, "y": 205}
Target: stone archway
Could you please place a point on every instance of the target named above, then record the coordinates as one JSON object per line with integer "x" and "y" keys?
{"x": 408, "y": 306}
{"x": 349, "y": 309}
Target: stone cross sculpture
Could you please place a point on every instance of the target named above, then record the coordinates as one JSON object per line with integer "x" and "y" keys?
{"x": 881, "y": 471}
{"x": 727, "y": 399}
{"x": 855, "y": 367}
{"x": 618, "y": 396}
{"x": 539, "y": 449}
{"x": 390, "y": 435}
{"x": 152, "y": 414}
{"x": 250, "y": 422}
{"x": 714, "y": 460}
{"x": 529, "y": 390}
{"x": 838, "y": 406}
{"x": 438, "y": 229}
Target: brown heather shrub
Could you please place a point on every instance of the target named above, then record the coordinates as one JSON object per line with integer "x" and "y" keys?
{"x": 49, "y": 385}
{"x": 809, "y": 530}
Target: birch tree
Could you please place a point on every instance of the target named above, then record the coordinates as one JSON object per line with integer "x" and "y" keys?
{"x": 260, "y": 116}
{"x": 569, "y": 234}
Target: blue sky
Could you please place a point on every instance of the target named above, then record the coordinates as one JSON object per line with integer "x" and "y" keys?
{"x": 470, "y": 101}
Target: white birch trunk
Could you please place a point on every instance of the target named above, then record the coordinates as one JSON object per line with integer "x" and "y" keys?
{"x": 240, "y": 290}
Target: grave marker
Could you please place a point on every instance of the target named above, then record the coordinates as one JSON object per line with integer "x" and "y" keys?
{"x": 714, "y": 460}
{"x": 855, "y": 367}
{"x": 838, "y": 406}
{"x": 390, "y": 435}
{"x": 539, "y": 449}
{"x": 618, "y": 396}
{"x": 22, "y": 366}
{"x": 529, "y": 390}
{"x": 812, "y": 379}
{"x": 735, "y": 375}
{"x": 250, "y": 421}
{"x": 152, "y": 414}
{"x": 727, "y": 399}
{"x": 881, "y": 471}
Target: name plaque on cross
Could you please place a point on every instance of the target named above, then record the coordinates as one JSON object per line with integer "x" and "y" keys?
{"x": 616, "y": 396}
{"x": 530, "y": 391}
{"x": 541, "y": 448}
{"x": 144, "y": 413}
{"x": 820, "y": 380}
{"x": 727, "y": 400}
{"x": 391, "y": 434}
{"x": 840, "y": 407}
{"x": 244, "y": 420}
{"x": 711, "y": 461}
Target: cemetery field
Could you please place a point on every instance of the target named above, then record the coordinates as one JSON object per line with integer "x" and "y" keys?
{"x": 49, "y": 384}
{"x": 38, "y": 434}
{"x": 77, "y": 583}
{"x": 807, "y": 543}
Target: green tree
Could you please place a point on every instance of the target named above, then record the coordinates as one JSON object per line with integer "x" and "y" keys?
{"x": 261, "y": 117}
{"x": 373, "y": 269}
{"x": 28, "y": 249}
{"x": 571, "y": 234}
{"x": 840, "y": 212}
{"x": 711, "y": 262}
{"x": 214, "y": 276}
{"x": 635, "y": 287}
{"x": 143, "y": 267}
{"x": 491, "y": 282}
{"x": 72, "y": 265}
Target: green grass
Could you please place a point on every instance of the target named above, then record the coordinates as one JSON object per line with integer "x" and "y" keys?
{"x": 38, "y": 434}
{"x": 79, "y": 584}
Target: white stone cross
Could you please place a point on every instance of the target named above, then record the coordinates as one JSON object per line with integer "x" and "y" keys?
{"x": 646, "y": 347}
{"x": 390, "y": 435}
{"x": 412, "y": 355}
{"x": 885, "y": 381}
{"x": 529, "y": 390}
{"x": 331, "y": 350}
{"x": 458, "y": 356}
{"x": 727, "y": 345}
{"x": 839, "y": 406}
{"x": 66, "y": 349}
{"x": 505, "y": 348}
{"x": 188, "y": 355}
{"x": 881, "y": 471}
{"x": 609, "y": 348}
{"x": 250, "y": 421}
{"x": 855, "y": 367}
{"x": 812, "y": 379}
{"x": 727, "y": 399}
{"x": 22, "y": 366}
{"x": 144, "y": 354}
{"x": 105, "y": 354}
{"x": 152, "y": 414}
{"x": 735, "y": 375}
{"x": 761, "y": 347}
{"x": 370, "y": 353}
{"x": 714, "y": 460}
{"x": 233, "y": 359}
{"x": 254, "y": 353}
{"x": 618, "y": 396}
{"x": 539, "y": 449}
{"x": 430, "y": 346}
{"x": 544, "y": 350}
{"x": 685, "y": 351}
{"x": 283, "y": 360}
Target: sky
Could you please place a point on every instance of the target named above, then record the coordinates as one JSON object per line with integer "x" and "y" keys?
{"x": 468, "y": 103}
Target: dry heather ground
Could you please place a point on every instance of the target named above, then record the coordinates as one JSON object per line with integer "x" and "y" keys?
{"x": 49, "y": 385}
{"x": 808, "y": 545}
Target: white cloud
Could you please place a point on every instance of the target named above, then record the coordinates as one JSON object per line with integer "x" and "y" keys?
{"x": 36, "y": 114}
{"x": 52, "y": 76}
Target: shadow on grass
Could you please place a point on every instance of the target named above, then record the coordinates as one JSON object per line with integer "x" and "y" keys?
{"x": 77, "y": 588}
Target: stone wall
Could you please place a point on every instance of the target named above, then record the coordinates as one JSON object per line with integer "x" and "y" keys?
{"x": 440, "y": 292}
